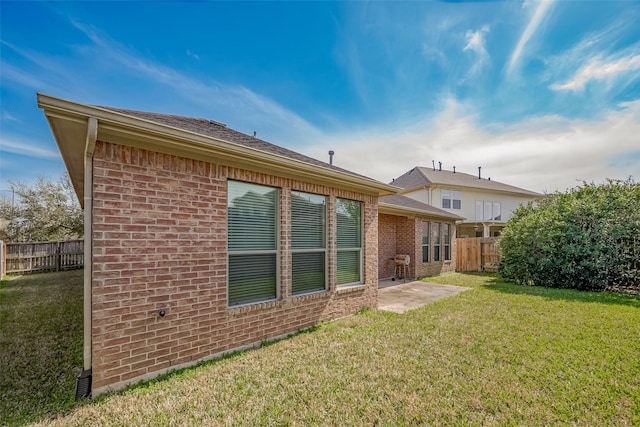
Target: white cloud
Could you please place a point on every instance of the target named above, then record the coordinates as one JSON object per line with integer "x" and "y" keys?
{"x": 26, "y": 148}
{"x": 541, "y": 11}
{"x": 476, "y": 43}
{"x": 598, "y": 69}
{"x": 546, "y": 153}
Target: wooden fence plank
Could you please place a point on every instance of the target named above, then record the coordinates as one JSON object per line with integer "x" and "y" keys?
{"x": 478, "y": 254}
{"x": 44, "y": 256}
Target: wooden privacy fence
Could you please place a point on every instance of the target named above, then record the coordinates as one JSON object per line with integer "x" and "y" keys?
{"x": 477, "y": 254}
{"x": 43, "y": 256}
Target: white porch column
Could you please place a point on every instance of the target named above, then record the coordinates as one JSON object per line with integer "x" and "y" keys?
{"x": 486, "y": 230}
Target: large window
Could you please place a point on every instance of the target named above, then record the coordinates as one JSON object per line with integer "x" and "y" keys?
{"x": 446, "y": 231}
{"x": 437, "y": 242}
{"x": 349, "y": 230}
{"x": 451, "y": 199}
{"x": 308, "y": 242}
{"x": 488, "y": 211}
{"x": 425, "y": 241}
{"x": 252, "y": 242}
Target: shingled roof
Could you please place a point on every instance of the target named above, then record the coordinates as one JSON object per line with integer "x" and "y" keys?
{"x": 220, "y": 131}
{"x": 77, "y": 127}
{"x": 400, "y": 202}
{"x": 421, "y": 177}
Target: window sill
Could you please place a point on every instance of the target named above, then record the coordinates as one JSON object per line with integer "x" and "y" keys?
{"x": 255, "y": 306}
{"x": 346, "y": 289}
{"x": 310, "y": 296}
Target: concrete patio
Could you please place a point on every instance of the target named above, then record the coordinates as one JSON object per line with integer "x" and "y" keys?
{"x": 399, "y": 297}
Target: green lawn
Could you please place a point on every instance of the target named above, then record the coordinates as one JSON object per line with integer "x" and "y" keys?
{"x": 499, "y": 354}
{"x": 41, "y": 344}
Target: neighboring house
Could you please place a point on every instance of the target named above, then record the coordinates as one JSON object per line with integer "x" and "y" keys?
{"x": 485, "y": 204}
{"x": 200, "y": 240}
{"x": 409, "y": 227}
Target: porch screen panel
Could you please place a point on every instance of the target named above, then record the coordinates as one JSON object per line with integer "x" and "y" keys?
{"x": 252, "y": 215}
{"x": 349, "y": 241}
{"x": 308, "y": 242}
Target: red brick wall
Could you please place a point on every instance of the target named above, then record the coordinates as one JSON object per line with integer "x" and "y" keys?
{"x": 159, "y": 242}
{"x": 386, "y": 245}
{"x": 402, "y": 235}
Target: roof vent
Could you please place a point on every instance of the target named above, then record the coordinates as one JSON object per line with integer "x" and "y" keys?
{"x": 454, "y": 169}
{"x": 479, "y": 169}
{"x": 213, "y": 122}
{"x": 254, "y": 134}
{"x": 331, "y": 153}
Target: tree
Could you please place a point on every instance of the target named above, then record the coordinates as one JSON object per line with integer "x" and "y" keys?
{"x": 587, "y": 238}
{"x": 42, "y": 211}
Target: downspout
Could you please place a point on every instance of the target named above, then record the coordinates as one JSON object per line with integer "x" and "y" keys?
{"x": 83, "y": 385}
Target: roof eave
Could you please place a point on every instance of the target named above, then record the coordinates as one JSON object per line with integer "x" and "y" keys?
{"x": 67, "y": 120}
{"x": 387, "y": 208}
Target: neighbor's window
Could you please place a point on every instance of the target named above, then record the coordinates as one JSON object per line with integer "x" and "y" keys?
{"x": 446, "y": 231}
{"x": 488, "y": 211}
{"x": 451, "y": 199}
{"x": 425, "y": 241}
{"x": 497, "y": 214}
{"x": 252, "y": 243}
{"x": 349, "y": 231}
{"x": 456, "y": 199}
{"x": 308, "y": 242}
{"x": 446, "y": 199}
{"x": 437, "y": 243}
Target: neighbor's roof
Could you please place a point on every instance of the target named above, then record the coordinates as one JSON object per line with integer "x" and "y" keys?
{"x": 399, "y": 204}
{"x": 77, "y": 126}
{"x": 423, "y": 177}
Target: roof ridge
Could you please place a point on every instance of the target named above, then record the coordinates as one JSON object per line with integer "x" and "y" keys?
{"x": 423, "y": 174}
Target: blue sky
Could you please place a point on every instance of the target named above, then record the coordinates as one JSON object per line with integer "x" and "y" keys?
{"x": 540, "y": 94}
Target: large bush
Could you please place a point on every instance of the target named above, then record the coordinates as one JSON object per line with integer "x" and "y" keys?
{"x": 587, "y": 238}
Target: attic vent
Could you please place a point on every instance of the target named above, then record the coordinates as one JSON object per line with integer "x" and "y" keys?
{"x": 213, "y": 122}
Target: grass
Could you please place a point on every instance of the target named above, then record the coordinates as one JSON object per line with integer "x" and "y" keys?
{"x": 498, "y": 354}
{"x": 41, "y": 344}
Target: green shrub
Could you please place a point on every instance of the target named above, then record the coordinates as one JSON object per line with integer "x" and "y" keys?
{"x": 587, "y": 238}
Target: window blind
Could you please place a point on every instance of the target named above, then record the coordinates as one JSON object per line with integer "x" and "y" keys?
{"x": 252, "y": 213}
{"x": 349, "y": 241}
{"x": 308, "y": 242}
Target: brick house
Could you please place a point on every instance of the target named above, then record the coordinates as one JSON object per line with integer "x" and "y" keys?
{"x": 425, "y": 233}
{"x": 200, "y": 240}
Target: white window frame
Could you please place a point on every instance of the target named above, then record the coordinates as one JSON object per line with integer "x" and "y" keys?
{"x": 426, "y": 225}
{"x": 275, "y": 252}
{"x": 322, "y": 250}
{"x": 437, "y": 242}
{"x": 446, "y": 244}
{"x": 449, "y": 199}
{"x": 351, "y": 249}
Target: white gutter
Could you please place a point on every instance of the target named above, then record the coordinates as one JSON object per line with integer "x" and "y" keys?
{"x": 90, "y": 145}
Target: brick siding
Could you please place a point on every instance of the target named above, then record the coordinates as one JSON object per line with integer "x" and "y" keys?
{"x": 403, "y": 235}
{"x": 159, "y": 242}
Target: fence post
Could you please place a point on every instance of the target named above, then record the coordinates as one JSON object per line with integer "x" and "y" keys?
{"x": 58, "y": 256}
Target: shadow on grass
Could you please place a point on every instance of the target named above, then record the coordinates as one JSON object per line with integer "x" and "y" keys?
{"x": 499, "y": 284}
